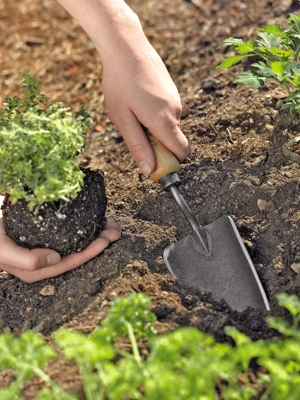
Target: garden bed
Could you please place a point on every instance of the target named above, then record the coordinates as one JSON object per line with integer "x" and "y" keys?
{"x": 237, "y": 167}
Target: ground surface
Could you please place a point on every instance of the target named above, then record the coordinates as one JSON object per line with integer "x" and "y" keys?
{"x": 237, "y": 167}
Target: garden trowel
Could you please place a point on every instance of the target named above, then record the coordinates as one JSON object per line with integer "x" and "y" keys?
{"x": 213, "y": 258}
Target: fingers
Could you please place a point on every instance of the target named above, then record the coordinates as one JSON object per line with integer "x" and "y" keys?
{"x": 30, "y": 260}
{"x": 137, "y": 143}
{"x": 12, "y": 254}
{"x": 37, "y": 264}
{"x": 110, "y": 234}
{"x": 67, "y": 263}
{"x": 113, "y": 225}
{"x": 173, "y": 139}
{"x": 168, "y": 132}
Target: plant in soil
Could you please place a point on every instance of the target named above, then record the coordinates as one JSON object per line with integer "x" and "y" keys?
{"x": 124, "y": 358}
{"x": 49, "y": 200}
{"x": 278, "y": 51}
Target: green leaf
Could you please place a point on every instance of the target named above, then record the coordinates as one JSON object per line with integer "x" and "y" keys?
{"x": 294, "y": 21}
{"x": 268, "y": 40}
{"x": 133, "y": 310}
{"x": 251, "y": 78}
{"x": 85, "y": 350}
{"x": 278, "y": 67}
{"x": 266, "y": 71}
{"x": 232, "y": 41}
{"x": 294, "y": 43}
{"x": 293, "y": 141}
{"x": 245, "y": 47}
{"x": 290, "y": 302}
{"x": 283, "y": 327}
{"x": 230, "y": 61}
{"x": 274, "y": 29}
{"x": 281, "y": 53}
{"x": 55, "y": 393}
{"x": 240, "y": 45}
{"x": 292, "y": 69}
{"x": 12, "y": 392}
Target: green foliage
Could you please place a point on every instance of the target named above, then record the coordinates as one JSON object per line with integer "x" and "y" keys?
{"x": 131, "y": 311}
{"x": 38, "y": 147}
{"x": 27, "y": 355}
{"x": 278, "y": 50}
{"x": 185, "y": 364}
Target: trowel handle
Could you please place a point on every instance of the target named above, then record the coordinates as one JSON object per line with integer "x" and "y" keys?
{"x": 166, "y": 161}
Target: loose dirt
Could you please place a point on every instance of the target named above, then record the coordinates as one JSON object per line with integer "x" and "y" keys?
{"x": 239, "y": 166}
{"x": 66, "y": 227}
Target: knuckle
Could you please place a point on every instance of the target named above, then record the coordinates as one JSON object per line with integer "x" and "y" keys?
{"x": 117, "y": 118}
{"x": 32, "y": 263}
{"x": 135, "y": 148}
{"x": 167, "y": 120}
{"x": 178, "y": 110}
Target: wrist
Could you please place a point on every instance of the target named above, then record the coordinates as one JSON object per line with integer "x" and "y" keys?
{"x": 123, "y": 32}
{"x": 111, "y": 24}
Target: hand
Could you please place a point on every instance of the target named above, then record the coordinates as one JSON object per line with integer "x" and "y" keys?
{"x": 37, "y": 264}
{"x": 136, "y": 84}
{"x": 139, "y": 90}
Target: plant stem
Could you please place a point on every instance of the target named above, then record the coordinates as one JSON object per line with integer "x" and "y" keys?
{"x": 287, "y": 87}
{"x": 134, "y": 345}
{"x": 86, "y": 375}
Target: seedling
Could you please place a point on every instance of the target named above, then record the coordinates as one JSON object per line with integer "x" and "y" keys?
{"x": 38, "y": 147}
{"x": 278, "y": 50}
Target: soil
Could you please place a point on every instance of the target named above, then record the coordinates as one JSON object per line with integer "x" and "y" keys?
{"x": 63, "y": 226}
{"x": 239, "y": 166}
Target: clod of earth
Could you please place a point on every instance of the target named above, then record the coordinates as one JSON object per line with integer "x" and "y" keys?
{"x": 63, "y": 226}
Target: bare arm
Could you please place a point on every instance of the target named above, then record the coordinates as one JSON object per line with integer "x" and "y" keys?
{"x": 137, "y": 87}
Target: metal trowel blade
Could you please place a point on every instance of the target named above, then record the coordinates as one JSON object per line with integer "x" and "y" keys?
{"x": 227, "y": 273}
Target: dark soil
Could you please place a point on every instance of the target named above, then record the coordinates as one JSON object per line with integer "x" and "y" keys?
{"x": 239, "y": 166}
{"x": 63, "y": 226}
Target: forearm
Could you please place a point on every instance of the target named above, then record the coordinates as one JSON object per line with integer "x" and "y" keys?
{"x": 109, "y": 23}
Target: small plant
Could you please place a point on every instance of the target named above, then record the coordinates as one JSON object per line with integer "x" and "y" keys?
{"x": 50, "y": 201}
{"x": 185, "y": 364}
{"x": 279, "y": 51}
{"x": 38, "y": 147}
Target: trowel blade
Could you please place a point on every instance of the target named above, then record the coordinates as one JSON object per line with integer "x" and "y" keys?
{"x": 228, "y": 273}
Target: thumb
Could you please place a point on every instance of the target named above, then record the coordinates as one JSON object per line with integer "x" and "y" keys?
{"x": 21, "y": 258}
{"x": 43, "y": 258}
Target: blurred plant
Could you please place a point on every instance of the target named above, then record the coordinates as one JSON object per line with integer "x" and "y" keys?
{"x": 185, "y": 364}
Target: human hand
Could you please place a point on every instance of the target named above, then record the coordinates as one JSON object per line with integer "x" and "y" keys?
{"x": 137, "y": 87}
{"x": 38, "y": 264}
{"x": 139, "y": 90}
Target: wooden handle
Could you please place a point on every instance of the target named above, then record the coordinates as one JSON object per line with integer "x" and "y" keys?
{"x": 166, "y": 162}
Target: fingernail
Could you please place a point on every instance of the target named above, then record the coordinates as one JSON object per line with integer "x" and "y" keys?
{"x": 53, "y": 258}
{"x": 144, "y": 166}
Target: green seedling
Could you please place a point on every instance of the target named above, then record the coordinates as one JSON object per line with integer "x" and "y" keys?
{"x": 185, "y": 364}
{"x": 278, "y": 50}
{"x": 39, "y": 145}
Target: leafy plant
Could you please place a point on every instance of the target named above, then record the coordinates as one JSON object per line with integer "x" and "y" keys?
{"x": 278, "y": 50}
{"x": 38, "y": 147}
{"x": 183, "y": 364}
